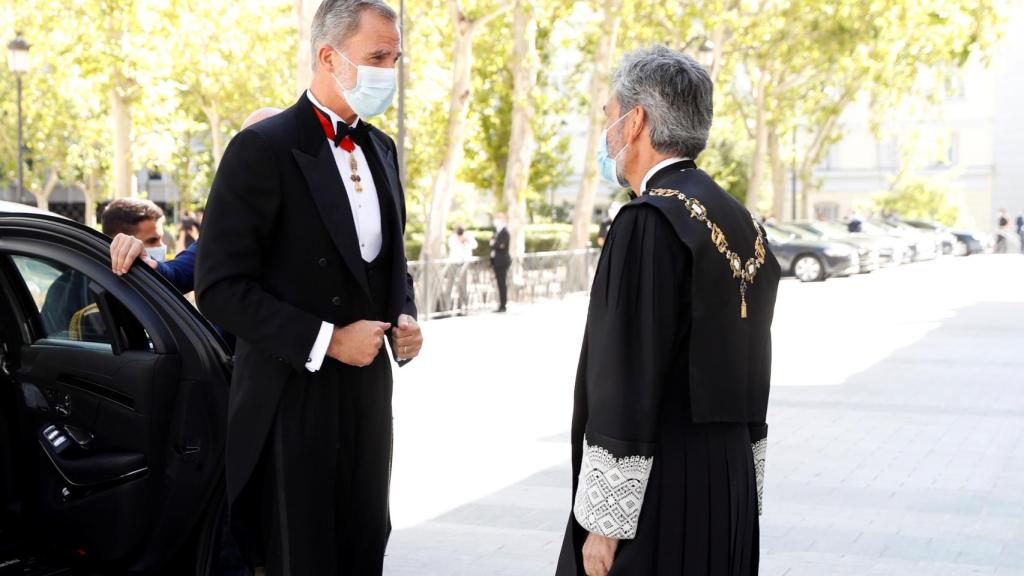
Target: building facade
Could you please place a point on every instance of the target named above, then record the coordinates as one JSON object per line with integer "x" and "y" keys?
{"x": 970, "y": 141}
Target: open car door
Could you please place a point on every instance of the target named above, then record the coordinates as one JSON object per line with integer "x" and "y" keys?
{"x": 113, "y": 395}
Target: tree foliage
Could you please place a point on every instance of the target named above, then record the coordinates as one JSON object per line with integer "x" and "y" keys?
{"x": 184, "y": 73}
{"x": 919, "y": 199}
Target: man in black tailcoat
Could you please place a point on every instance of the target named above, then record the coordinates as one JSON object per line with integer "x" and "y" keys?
{"x": 303, "y": 259}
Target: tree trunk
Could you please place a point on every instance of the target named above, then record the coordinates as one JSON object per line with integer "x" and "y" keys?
{"x": 757, "y": 164}
{"x": 816, "y": 151}
{"x": 521, "y": 145}
{"x": 216, "y": 134}
{"x": 121, "y": 112}
{"x": 43, "y": 196}
{"x": 304, "y": 11}
{"x": 442, "y": 189}
{"x": 89, "y": 192}
{"x": 599, "y": 89}
{"x": 778, "y": 175}
{"x": 718, "y": 38}
{"x": 808, "y": 188}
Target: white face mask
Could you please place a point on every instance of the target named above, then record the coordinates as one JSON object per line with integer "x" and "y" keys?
{"x": 158, "y": 253}
{"x": 374, "y": 90}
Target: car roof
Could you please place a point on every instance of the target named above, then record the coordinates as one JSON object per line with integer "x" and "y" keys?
{"x": 22, "y": 209}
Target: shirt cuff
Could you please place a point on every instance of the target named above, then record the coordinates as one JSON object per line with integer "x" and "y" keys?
{"x": 319, "y": 351}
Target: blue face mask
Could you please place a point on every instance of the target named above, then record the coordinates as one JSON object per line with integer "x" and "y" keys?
{"x": 607, "y": 165}
{"x": 159, "y": 253}
{"x": 374, "y": 90}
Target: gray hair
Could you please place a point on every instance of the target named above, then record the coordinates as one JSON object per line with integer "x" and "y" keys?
{"x": 338, "y": 20}
{"x": 675, "y": 92}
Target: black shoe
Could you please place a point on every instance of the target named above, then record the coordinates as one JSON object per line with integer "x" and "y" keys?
{"x": 501, "y": 310}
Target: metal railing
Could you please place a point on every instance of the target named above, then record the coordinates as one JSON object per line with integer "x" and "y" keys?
{"x": 449, "y": 287}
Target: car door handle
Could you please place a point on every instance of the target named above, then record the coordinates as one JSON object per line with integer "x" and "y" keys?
{"x": 81, "y": 436}
{"x": 189, "y": 453}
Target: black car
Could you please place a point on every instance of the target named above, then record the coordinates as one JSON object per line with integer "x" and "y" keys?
{"x": 113, "y": 395}
{"x": 813, "y": 260}
{"x": 867, "y": 251}
{"x": 967, "y": 244}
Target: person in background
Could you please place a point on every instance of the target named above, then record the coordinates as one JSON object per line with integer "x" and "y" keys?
{"x": 1020, "y": 229}
{"x": 136, "y": 227}
{"x": 602, "y": 233}
{"x": 188, "y": 230}
{"x": 1002, "y": 223}
{"x": 461, "y": 246}
{"x": 855, "y": 225}
{"x": 501, "y": 261}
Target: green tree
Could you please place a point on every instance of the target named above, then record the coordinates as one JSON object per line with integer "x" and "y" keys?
{"x": 465, "y": 28}
{"x": 219, "y": 68}
{"x": 919, "y": 199}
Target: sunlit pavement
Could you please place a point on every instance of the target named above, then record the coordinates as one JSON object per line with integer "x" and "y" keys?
{"x": 896, "y": 431}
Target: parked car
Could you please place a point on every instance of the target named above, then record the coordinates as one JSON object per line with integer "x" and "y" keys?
{"x": 812, "y": 260}
{"x": 967, "y": 244}
{"x": 923, "y": 246}
{"x": 891, "y": 250}
{"x": 867, "y": 251}
{"x": 113, "y": 394}
{"x": 945, "y": 236}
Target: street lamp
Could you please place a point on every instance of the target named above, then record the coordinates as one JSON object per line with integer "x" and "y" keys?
{"x": 17, "y": 61}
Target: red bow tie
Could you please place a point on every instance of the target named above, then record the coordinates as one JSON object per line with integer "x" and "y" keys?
{"x": 345, "y": 136}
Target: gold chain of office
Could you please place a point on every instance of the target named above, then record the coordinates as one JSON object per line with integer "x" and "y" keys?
{"x": 744, "y": 272}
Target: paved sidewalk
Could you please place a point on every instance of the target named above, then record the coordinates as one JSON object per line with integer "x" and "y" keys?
{"x": 896, "y": 431}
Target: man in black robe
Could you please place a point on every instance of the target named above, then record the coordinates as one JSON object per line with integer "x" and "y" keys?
{"x": 672, "y": 388}
{"x": 303, "y": 259}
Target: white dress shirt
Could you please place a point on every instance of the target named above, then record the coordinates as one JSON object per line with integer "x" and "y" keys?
{"x": 365, "y": 214}
{"x": 657, "y": 167}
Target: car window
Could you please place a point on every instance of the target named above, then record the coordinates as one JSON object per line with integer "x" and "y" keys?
{"x": 832, "y": 229}
{"x": 774, "y": 237}
{"x": 871, "y": 228}
{"x": 69, "y": 308}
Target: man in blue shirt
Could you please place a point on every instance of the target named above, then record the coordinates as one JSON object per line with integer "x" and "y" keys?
{"x": 136, "y": 227}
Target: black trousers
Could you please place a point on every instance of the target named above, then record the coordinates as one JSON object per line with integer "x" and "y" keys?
{"x": 326, "y": 473}
{"x": 501, "y": 273}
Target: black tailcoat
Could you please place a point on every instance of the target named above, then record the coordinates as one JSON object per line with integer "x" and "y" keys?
{"x": 280, "y": 255}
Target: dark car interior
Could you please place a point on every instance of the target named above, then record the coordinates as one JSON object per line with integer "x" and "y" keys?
{"x": 108, "y": 443}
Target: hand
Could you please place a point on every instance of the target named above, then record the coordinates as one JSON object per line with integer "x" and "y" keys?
{"x": 358, "y": 343}
{"x": 599, "y": 554}
{"x": 124, "y": 249}
{"x": 407, "y": 338}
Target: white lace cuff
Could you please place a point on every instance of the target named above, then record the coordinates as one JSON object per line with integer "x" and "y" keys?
{"x": 611, "y": 492}
{"x": 760, "y": 449}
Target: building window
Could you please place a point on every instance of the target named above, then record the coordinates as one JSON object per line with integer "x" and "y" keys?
{"x": 889, "y": 154}
{"x": 954, "y": 86}
{"x": 826, "y": 211}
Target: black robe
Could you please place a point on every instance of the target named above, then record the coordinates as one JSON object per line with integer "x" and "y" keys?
{"x": 674, "y": 482}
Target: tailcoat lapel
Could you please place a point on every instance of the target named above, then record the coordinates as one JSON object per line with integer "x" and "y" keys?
{"x": 316, "y": 161}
